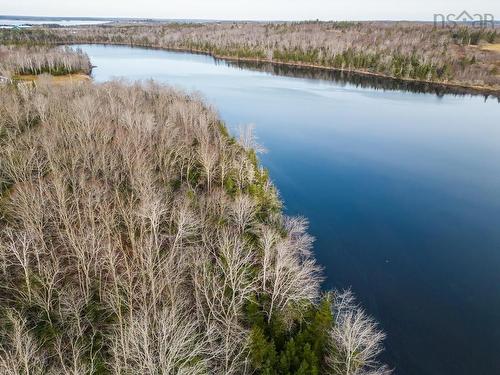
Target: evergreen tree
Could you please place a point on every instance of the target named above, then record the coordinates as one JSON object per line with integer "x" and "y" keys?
{"x": 301, "y": 351}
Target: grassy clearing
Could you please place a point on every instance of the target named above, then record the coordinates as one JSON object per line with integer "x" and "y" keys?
{"x": 491, "y": 47}
{"x": 67, "y": 78}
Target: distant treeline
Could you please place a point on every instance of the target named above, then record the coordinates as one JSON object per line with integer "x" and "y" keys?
{"x": 16, "y": 60}
{"x": 401, "y": 50}
{"x": 358, "y": 79}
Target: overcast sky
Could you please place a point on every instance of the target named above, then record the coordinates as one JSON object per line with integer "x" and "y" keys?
{"x": 251, "y": 9}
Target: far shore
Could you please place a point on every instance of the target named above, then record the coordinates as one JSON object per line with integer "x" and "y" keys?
{"x": 472, "y": 89}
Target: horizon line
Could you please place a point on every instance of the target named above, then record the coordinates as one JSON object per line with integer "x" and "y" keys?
{"x": 19, "y": 16}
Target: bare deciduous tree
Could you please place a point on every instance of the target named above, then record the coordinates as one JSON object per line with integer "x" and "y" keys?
{"x": 293, "y": 277}
{"x": 38, "y": 60}
{"x": 356, "y": 341}
{"x": 20, "y": 353}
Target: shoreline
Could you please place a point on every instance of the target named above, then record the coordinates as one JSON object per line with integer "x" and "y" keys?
{"x": 468, "y": 89}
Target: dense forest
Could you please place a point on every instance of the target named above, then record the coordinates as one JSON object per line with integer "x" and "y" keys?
{"x": 37, "y": 60}
{"x": 401, "y": 50}
{"x": 138, "y": 237}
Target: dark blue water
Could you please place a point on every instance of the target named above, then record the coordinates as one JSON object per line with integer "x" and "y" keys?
{"x": 402, "y": 191}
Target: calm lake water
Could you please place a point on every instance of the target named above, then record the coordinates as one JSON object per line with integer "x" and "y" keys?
{"x": 402, "y": 190}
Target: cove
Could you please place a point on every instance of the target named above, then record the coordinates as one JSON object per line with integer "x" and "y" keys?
{"x": 400, "y": 183}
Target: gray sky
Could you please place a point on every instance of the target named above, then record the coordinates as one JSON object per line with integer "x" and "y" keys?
{"x": 251, "y": 9}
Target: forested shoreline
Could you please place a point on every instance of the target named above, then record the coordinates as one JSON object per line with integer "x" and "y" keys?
{"x": 35, "y": 60}
{"x": 138, "y": 236}
{"x": 406, "y": 51}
